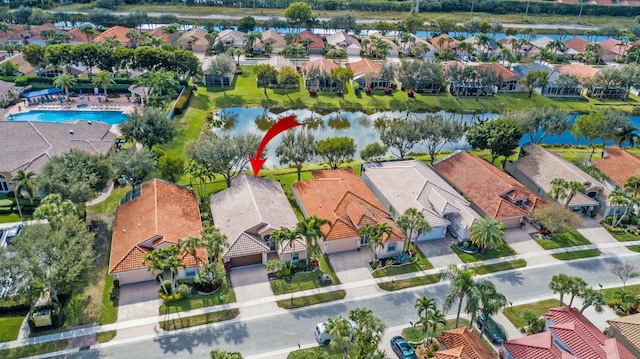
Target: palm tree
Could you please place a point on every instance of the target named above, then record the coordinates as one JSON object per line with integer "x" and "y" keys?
{"x": 413, "y": 223}
{"x": 190, "y": 245}
{"x": 24, "y": 185}
{"x": 461, "y": 284}
{"x": 211, "y": 38}
{"x": 155, "y": 264}
{"x": 560, "y": 283}
{"x": 577, "y": 285}
{"x": 370, "y": 330}
{"x": 490, "y": 300}
{"x": 633, "y": 185}
{"x": 214, "y": 242}
{"x": 283, "y": 235}
{"x": 103, "y": 78}
{"x": 627, "y": 134}
{"x": 221, "y": 354}
{"x": 375, "y": 235}
{"x": 593, "y": 297}
{"x": 89, "y": 31}
{"x": 64, "y": 81}
{"x": 341, "y": 332}
{"x": 311, "y": 229}
{"x": 251, "y": 40}
{"x": 425, "y": 306}
{"x": 619, "y": 198}
{"x": 436, "y": 317}
{"x": 487, "y": 233}
{"x": 133, "y": 37}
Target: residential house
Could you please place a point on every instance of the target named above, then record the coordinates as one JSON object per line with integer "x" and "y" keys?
{"x": 582, "y": 72}
{"x": 11, "y": 35}
{"x": 462, "y": 343}
{"x": 405, "y": 184}
{"x": 156, "y": 215}
{"x": 615, "y": 47}
{"x": 564, "y": 52}
{"x": 619, "y": 165}
{"x": 116, "y": 33}
{"x": 627, "y": 331}
{"x": 210, "y": 79}
{"x": 393, "y": 48}
{"x": 445, "y": 44}
{"x": 76, "y": 36}
{"x": 459, "y": 83}
{"x": 341, "y": 197}
{"x": 511, "y": 82}
{"x": 577, "y": 44}
{"x": 523, "y": 50}
{"x": 167, "y": 38}
{"x": 231, "y": 38}
{"x": 8, "y": 91}
{"x": 45, "y": 140}
{"x": 278, "y": 62}
{"x": 492, "y": 192}
{"x": 417, "y": 41}
{"x": 556, "y": 87}
{"x": 32, "y": 36}
{"x": 539, "y": 346}
{"x": 195, "y": 40}
{"x": 537, "y": 167}
{"x": 344, "y": 41}
{"x": 247, "y": 213}
{"x": 24, "y": 68}
{"x": 274, "y": 39}
{"x": 314, "y": 47}
{"x": 324, "y": 66}
{"x": 367, "y": 74}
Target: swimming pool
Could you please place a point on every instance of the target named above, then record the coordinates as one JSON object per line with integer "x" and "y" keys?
{"x": 108, "y": 117}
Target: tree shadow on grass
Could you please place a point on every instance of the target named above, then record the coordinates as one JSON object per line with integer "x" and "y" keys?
{"x": 229, "y": 101}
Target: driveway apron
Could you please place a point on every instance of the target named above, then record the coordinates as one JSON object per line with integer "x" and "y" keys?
{"x": 138, "y": 301}
{"x": 439, "y": 252}
{"x": 522, "y": 242}
{"x": 252, "y": 283}
{"x": 353, "y": 266}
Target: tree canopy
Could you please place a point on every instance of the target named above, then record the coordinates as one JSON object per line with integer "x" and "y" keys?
{"x": 149, "y": 127}
{"x": 399, "y": 135}
{"x": 499, "y": 136}
{"x": 297, "y": 147}
{"x": 134, "y": 165}
{"x": 336, "y": 150}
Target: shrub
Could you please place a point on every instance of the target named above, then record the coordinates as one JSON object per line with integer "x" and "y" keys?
{"x": 183, "y": 290}
{"x": 170, "y": 298}
{"x": 183, "y": 101}
{"x": 284, "y": 272}
{"x": 314, "y": 263}
{"x": 313, "y": 92}
{"x": 167, "y": 284}
{"x": 401, "y": 258}
{"x": 368, "y": 90}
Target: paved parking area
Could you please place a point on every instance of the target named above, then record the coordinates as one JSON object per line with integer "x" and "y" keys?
{"x": 439, "y": 252}
{"x": 139, "y": 300}
{"x": 351, "y": 266}
{"x": 251, "y": 283}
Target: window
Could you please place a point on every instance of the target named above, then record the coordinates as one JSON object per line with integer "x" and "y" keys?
{"x": 364, "y": 240}
{"x": 391, "y": 247}
{"x": 272, "y": 245}
{"x": 191, "y": 272}
{"x": 4, "y": 185}
{"x": 295, "y": 256}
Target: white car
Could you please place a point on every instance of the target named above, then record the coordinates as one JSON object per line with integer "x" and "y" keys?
{"x": 321, "y": 335}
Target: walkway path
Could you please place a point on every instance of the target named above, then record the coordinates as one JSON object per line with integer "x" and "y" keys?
{"x": 102, "y": 196}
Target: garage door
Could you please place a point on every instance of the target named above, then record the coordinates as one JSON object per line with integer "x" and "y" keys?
{"x": 246, "y": 260}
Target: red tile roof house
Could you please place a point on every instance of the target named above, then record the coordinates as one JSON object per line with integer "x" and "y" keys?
{"x": 366, "y": 72}
{"x": 315, "y": 47}
{"x": 341, "y": 197}
{"x": 324, "y": 66}
{"x": 342, "y": 40}
{"x": 511, "y": 82}
{"x": 448, "y": 43}
{"x": 46, "y": 140}
{"x": 536, "y": 167}
{"x": 76, "y": 36}
{"x": 168, "y": 38}
{"x": 627, "y": 331}
{"x": 619, "y": 165}
{"x": 162, "y": 215}
{"x": 539, "y": 346}
{"x": 32, "y": 36}
{"x": 492, "y": 192}
{"x": 11, "y": 35}
{"x": 401, "y": 185}
{"x": 116, "y": 33}
{"x": 618, "y": 48}
{"x": 247, "y": 213}
{"x": 462, "y": 343}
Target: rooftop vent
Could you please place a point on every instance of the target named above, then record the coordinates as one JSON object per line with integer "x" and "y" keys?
{"x": 71, "y": 132}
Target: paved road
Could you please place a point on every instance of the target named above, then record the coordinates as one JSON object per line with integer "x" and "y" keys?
{"x": 263, "y": 335}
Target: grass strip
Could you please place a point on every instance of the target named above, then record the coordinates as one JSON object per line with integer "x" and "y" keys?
{"x": 187, "y": 322}
{"x": 10, "y": 327}
{"x": 104, "y": 337}
{"x": 503, "y": 251}
{"x": 223, "y": 295}
{"x": 514, "y": 313}
{"x": 567, "y": 256}
{"x": 35, "y": 349}
{"x": 415, "y": 334}
{"x": 421, "y": 264}
{"x": 634, "y": 248}
{"x": 300, "y": 302}
{"x": 410, "y": 282}
{"x": 109, "y": 309}
{"x": 625, "y": 237}
{"x": 498, "y": 267}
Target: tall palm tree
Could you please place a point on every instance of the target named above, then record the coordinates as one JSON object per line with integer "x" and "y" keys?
{"x": 311, "y": 229}
{"x": 133, "y": 37}
{"x": 560, "y": 283}
{"x": 214, "y": 242}
{"x": 490, "y": 300}
{"x": 375, "y": 236}
{"x": 425, "y": 306}
{"x": 155, "y": 264}
{"x": 577, "y": 285}
{"x": 251, "y": 40}
{"x": 487, "y": 233}
{"x": 221, "y": 354}
{"x": 103, "y": 78}
{"x": 436, "y": 317}
{"x": 413, "y": 223}
{"x": 24, "y": 185}
{"x": 341, "y": 332}
{"x": 190, "y": 245}
{"x": 211, "y": 38}
{"x": 593, "y": 297}
{"x": 285, "y": 236}
{"x": 633, "y": 185}
{"x": 627, "y": 134}
{"x": 461, "y": 284}
{"x": 619, "y": 198}
{"x": 64, "y": 81}
{"x": 370, "y": 330}
{"x": 89, "y": 31}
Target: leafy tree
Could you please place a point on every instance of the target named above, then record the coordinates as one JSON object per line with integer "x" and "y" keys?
{"x": 560, "y": 283}
{"x": 64, "y": 81}
{"x": 461, "y": 285}
{"x": 75, "y": 175}
{"x": 437, "y": 132}
{"x": 413, "y": 223}
{"x": 592, "y": 297}
{"x": 624, "y": 271}
{"x": 103, "y": 78}
{"x": 491, "y": 302}
{"x": 214, "y": 242}
{"x": 298, "y": 12}
{"x": 345, "y": 21}
{"x": 296, "y": 147}
{"x": 373, "y": 151}
{"x": 88, "y": 55}
{"x": 149, "y": 127}
{"x": 499, "y": 136}
{"x": 341, "y": 75}
{"x": 288, "y": 76}
{"x": 539, "y": 122}
{"x": 221, "y": 354}
{"x": 399, "y": 134}
{"x": 134, "y": 165}
{"x": 487, "y": 233}
{"x": 266, "y": 75}
{"x": 369, "y": 332}
{"x": 190, "y": 246}
{"x": 340, "y": 330}
{"x": 164, "y": 259}
{"x": 247, "y": 24}
{"x": 336, "y": 150}
{"x": 556, "y": 218}
{"x": 171, "y": 166}
{"x": 535, "y": 79}
{"x": 311, "y": 229}
{"x": 8, "y": 68}
{"x": 222, "y": 67}
{"x": 614, "y": 121}
{"x": 54, "y": 209}
{"x": 227, "y": 154}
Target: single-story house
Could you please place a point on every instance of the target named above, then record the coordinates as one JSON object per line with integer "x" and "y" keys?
{"x": 24, "y": 68}
{"x": 393, "y": 48}
{"x": 492, "y": 192}
{"x": 116, "y": 33}
{"x": 539, "y": 345}
{"x": 316, "y": 46}
{"x": 278, "y": 62}
{"x": 511, "y": 82}
{"x": 405, "y": 184}
{"x": 12, "y": 34}
{"x": 462, "y": 343}
{"x": 536, "y": 167}
{"x": 272, "y": 38}
{"x": 619, "y": 165}
{"x": 211, "y": 79}
{"x": 342, "y": 40}
{"x": 8, "y": 90}
{"x": 231, "y": 38}
{"x": 418, "y": 41}
{"x": 366, "y": 73}
{"x": 159, "y": 32}
{"x": 76, "y": 36}
{"x": 522, "y": 50}
{"x": 324, "y": 66}
{"x": 341, "y": 197}
{"x": 247, "y": 213}
{"x": 625, "y": 330}
{"x": 580, "y": 71}
{"x": 444, "y": 45}
{"x": 32, "y": 36}
{"x": 617, "y": 48}
{"x": 194, "y": 40}
{"x": 45, "y": 140}
{"x": 158, "y": 214}
{"x": 555, "y": 88}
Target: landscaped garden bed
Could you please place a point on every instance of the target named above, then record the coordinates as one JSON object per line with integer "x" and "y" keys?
{"x": 503, "y": 251}
{"x": 300, "y": 277}
{"x": 224, "y": 294}
{"x": 390, "y": 266}
{"x": 569, "y": 238}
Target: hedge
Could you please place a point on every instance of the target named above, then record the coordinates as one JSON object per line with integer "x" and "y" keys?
{"x": 14, "y": 304}
{"x": 183, "y": 101}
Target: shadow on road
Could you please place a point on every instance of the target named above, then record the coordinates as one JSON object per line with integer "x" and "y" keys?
{"x": 515, "y": 278}
{"x": 321, "y": 313}
{"x": 233, "y": 333}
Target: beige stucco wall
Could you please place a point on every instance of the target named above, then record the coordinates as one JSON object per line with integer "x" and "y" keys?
{"x": 511, "y": 222}
{"x": 287, "y": 257}
{"x": 340, "y": 245}
{"x": 385, "y": 253}
{"x": 7, "y": 177}
{"x": 135, "y": 276}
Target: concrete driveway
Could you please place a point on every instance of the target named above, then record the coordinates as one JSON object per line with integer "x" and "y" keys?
{"x": 139, "y": 300}
{"x": 351, "y": 266}
{"x": 251, "y": 284}
{"x": 439, "y": 252}
{"x": 522, "y": 242}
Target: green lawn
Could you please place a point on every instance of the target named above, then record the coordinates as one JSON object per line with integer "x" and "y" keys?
{"x": 304, "y": 281}
{"x": 421, "y": 264}
{"x": 561, "y": 240}
{"x": 9, "y": 328}
{"x": 625, "y": 237}
{"x": 415, "y": 334}
{"x": 567, "y": 256}
{"x": 299, "y": 302}
{"x": 224, "y": 295}
{"x": 108, "y": 206}
{"x": 634, "y": 248}
{"x": 514, "y": 314}
{"x": 109, "y": 312}
{"x": 503, "y": 251}
{"x": 36, "y": 349}
{"x": 608, "y": 293}
{"x": 323, "y": 351}
{"x": 104, "y": 337}
{"x": 13, "y": 217}
{"x": 498, "y": 267}
{"x": 410, "y": 282}
{"x": 187, "y": 322}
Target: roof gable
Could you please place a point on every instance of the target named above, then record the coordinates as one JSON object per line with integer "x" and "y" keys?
{"x": 117, "y": 32}
{"x": 619, "y": 165}
{"x": 317, "y": 43}
{"x": 323, "y": 64}
{"x": 245, "y": 244}
{"x": 577, "y": 43}
{"x": 629, "y": 328}
{"x": 364, "y": 66}
{"x": 505, "y": 73}
{"x": 468, "y": 340}
{"x": 578, "y": 70}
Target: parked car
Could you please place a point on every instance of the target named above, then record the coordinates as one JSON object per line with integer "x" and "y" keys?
{"x": 321, "y": 334}
{"x": 402, "y": 349}
{"x": 12, "y": 233}
{"x": 493, "y": 330}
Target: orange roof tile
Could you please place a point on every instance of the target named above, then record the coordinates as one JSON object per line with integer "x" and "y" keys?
{"x": 76, "y": 35}
{"x": 539, "y": 346}
{"x": 344, "y": 199}
{"x": 470, "y": 343}
{"x": 578, "y": 70}
{"x": 317, "y": 43}
{"x": 576, "y": 43}
{"x": 163, "y": 213}
{"x": 116, "y": 33}
{"x": 363, "y": 66}
{"x": 504, "y": 72}
{"x": 619, "y": 165}
{"x": 614, "y": 46}
{"x": 445, "y": 45}
{"x": 485, "y": 184}
{"x": 323, "y": 64}
{"x": 159, "y": 32}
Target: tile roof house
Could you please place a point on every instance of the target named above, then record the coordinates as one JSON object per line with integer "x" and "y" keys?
{"x": 161, "y": 215}
{"x": 341, "y": 197}
{"x": 539, "y": 346}
{"x": 366, "y": 72}
{"x": 555, "y": 88}
{"x": 342, "y": 40}
{"x": 492, "y": 192}
{"x": 11, "y": 35}
{"x": 582, "y": 72}
{"x": 536, "y": 167}
{"x": 230, "y": 37}
{"x": 195, "y": 40}
{"x": 76, "y": 36}
{"x": 24, "y": 67}
{"x": 627, "y": 331}
{"x": 576, "y": 43}
{"x": 511, "y": 82}
{"x": 247, "y": 213}
{"x": 116, "y": 33}
{"x": 278, "y": 62}
{"x": 272, "y": 38}
{"x": 446, "y": 44}
{"x": 581, "y": 337}
{"x": 393, "y": 48}
{"x": 619, "y": 165}
{"x": 32, "y": 36}
{"x": 159, "y": 32}
{"x": 401, "y": 185}
{"x": 614, "y": 46}
{"x": 324, "y": 66}
{"x": 462, "y": 343}
{"x": 315, "y": 47}
{"x": 47, "y": 139}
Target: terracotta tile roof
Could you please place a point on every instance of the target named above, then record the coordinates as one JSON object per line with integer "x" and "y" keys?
{"x": 628, "y": 327}
{"x": 75, "y": 35}
{"x": 10, "y": 34}
{"x": 163, "y": 213}
{"x": 470, "y": 343}
{"x": 539, "y": 346}
{"x": 279, "y": 62}
{"x": 619, "y": 165}
{"x": 323, "y": 64}
{"x": 341, "y": 197}
{"x": 363, "y": 66}
{"x": 577, "y": 43}
{"x": 445, "y": 45}
{"x": 317, "y": 43}
{"x": 159, "y": 32}
{"x": 34, "y": 33}
{"x": 581, "y": 337}
{"x": 486, "y": 185}
{"x": 578, "y": 70}
{"x": 506, "y": 74}
{"x": 612, "y": 45}
{"x": 116, "y": 33}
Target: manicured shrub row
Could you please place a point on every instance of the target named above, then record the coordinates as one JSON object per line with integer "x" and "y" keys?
{"x": 183, "y": 101}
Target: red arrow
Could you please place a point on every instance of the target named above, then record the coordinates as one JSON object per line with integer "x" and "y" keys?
{"x": 280, "y": 126}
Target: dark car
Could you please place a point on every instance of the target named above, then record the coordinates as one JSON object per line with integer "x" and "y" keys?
{"x": 402, "y": 349}
{"x": 493, "y": 330}
{"x": 12, "y": 233}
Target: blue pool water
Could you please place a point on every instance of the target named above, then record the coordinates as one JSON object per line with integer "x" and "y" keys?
{"x": 108, "y": 117}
